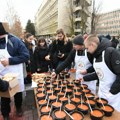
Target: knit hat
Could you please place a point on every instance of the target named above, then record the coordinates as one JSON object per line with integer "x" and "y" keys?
{"x": 2, "y": 29}
{"x": 78, "y": 40}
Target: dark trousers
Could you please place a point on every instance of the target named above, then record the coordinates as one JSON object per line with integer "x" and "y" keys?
{"x": 5, "y": 103}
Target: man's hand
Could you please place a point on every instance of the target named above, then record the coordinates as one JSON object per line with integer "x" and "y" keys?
{"x": 47, "y": 57}
{"x": 53, "y": 75}
{"x": 83, "y": 72}
{"x": 5, "y": 62}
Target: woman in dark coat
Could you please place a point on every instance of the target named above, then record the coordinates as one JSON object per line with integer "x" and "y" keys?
{"x": 60, "y": 49}
{"x": 40, "y": 52}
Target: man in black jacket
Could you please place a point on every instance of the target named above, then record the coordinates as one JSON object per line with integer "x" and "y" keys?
{"x": 107, "y": 67}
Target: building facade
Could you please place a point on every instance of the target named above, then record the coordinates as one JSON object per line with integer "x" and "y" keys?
{"x": 65, "y": 14}
{"x": 109, "y": 23}
{"x": 82, "y": 14}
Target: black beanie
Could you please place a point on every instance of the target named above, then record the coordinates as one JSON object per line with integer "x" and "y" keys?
{"x": 2, "y": 29}
{"x": 78, "y": 40}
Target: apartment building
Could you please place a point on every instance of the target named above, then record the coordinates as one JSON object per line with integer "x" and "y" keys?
{"x": 65, "y": 14}
{"x": 82, "y": 14}
{"x": 109, "y": 23}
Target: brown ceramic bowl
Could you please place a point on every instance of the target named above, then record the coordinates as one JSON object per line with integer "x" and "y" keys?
{"x": 84, "y": 108}
{"x": 46, "y": 117}
{"x": 96, "y": 114}
{"x": 108, "y": 110}
{"x": 77, "y": 115}
{"x": 70, "y": 107}
{"x": 101, "y": 102}
{"x": 59, "y": 115}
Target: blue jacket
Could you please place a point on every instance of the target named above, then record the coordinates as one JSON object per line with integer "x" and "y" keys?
{"x": 16, "y": 49}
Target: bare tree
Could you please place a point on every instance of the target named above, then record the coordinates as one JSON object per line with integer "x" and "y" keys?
{"x": 70, "y": 12}
{"x": 95, "y": 15}
{"x": 13, "y": 20}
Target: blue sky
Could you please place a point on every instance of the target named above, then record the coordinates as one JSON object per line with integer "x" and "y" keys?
{"x": 26, "y": 9}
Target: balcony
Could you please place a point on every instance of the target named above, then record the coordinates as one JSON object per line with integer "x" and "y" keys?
{"x": 89, "y": 2}
{"x": 77, "y": 8}
{"x": 77, "y": 19}
{"x": 78, "y": 30}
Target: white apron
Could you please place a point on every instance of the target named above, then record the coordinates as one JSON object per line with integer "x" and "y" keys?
{"x": 18, "y": 69}
{"x": 106, "y": 79}
{"x": 82, "y": 63}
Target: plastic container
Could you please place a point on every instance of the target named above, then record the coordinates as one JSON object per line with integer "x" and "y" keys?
{"x": 96, "y": 114}
{"x": 78, "y": 94}
{"x": 52, "y": 98}
{"x": 63, "y": 99}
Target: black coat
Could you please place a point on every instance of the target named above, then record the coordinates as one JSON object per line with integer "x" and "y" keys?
{"x": 71, "y": 58}
{"x": 57, "y": 46}
{"x": 40, "y": 61}
{"x": 112, "y": 60}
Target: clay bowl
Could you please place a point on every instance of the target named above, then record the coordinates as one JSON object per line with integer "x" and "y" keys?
{"x": 39, "y": 90}
{"x": 49, "y": 92}
{"x": 48, "y": 87}
{"x": 56, "y": 105}
{"x": 59, "y": 115}
{"x": 90, "y": 96}
{"x": 86, "y": 91}
{"x": 101, "y": 101}
{"x": 91, "y": 102}
{"x": 96, "y": 114}
{"x": 77, "y": 89}
{"x": 52, "y": 98}
{"x": 108, "y": 110}
{"x": 84, "y": 108}
{"x": 77, "y": 82}
{"x": 46, "y": 117}
{"x": 78, "y": 94}
{"x": 63, "y": 99}
{"x": 68, "y": 91}
{"x": 44, "y": 109}
{"x": 69, "y": 107}
{"x": 55, "y": 83}
{"x": 70, "y": 85}
{"x": 84, "y": 86}
{"x": 77, "y": 115}
{"x": 57, "y": 90}
{"x": 42, "y": 102}
{"x": 40, "y": 96}
{"x": 40, "y": 85}
{"x": 61, "y": 94}
{"x": 63, "y": 86}
{"x": 75, "y": 100}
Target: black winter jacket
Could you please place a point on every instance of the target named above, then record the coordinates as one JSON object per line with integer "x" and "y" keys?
{"x": 71, "y": 59}
{"x": 112, "y": 60}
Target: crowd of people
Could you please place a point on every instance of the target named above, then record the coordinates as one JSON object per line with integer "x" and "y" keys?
{"x": 96, "y": 59}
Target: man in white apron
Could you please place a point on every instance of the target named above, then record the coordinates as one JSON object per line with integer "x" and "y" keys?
{"x": 12, "y": 54}
{"x": 107, "y": 67}
{"x": 80, "y": 57}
